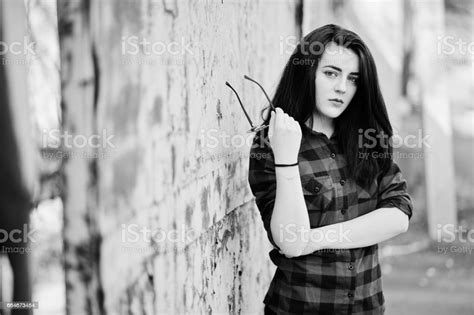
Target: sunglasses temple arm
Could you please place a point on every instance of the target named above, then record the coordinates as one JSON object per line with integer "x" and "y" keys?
{"x": 241, "y": 105}
{"x": 261, "y": 87}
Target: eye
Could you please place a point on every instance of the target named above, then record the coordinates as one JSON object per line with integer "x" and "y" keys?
{"x": 354, "y": 80}
{"x": 331, "y": 74}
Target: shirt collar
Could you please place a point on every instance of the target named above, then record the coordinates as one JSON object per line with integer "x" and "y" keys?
{"x": 308, "y": 130}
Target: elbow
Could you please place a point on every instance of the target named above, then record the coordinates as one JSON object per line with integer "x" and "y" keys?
{"x": 290, "y": 237}
{"x": 293, "y": 250}
{"x": 291, "y": 243}
{"x": 405, "y": 224}
{"x": 402, "y": 222}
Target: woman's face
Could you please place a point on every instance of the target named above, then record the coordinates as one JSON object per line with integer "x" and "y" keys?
{"x": 336, "y": 80}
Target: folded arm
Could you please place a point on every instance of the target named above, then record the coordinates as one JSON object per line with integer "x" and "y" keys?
{"x": 369, "y": 229}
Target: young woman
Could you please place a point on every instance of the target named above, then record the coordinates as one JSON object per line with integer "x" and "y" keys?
{"x": 324, "y": 180}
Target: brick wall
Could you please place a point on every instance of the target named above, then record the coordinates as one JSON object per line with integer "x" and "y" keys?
{"x": 162, "y": 170}
{"x": 151, "y": 75}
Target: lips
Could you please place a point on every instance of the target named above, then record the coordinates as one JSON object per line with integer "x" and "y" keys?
{"x": 337, "y": 100}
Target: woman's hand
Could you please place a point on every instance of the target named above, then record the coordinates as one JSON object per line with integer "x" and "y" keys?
{"x": 285, "y": 137}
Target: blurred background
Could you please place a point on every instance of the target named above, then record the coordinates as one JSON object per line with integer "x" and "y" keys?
{"x": 120, "y": 129}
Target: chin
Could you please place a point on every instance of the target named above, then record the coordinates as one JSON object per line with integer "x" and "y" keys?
{"x": 332, "y": 112}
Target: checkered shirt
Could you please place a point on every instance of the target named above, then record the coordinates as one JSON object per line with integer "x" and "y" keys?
{"x": 326, "y": 281}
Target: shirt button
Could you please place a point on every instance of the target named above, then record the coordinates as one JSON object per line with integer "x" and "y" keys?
{"x": 332, "y": 155}
{"x": 342, "y": 182}
{"x": 351, "y": 266}
{"x": 350, "y": 294}
{"x": 316, "y": 189}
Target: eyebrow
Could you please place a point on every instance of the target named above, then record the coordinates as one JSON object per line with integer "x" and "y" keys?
{"x": 340, "y": 70}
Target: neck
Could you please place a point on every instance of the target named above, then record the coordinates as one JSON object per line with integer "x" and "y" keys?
{"x": 323, "y": 124}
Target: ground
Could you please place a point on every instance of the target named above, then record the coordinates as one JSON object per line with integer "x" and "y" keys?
{"x": 438, "y": 279}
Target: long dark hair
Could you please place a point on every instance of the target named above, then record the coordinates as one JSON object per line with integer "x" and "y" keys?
{"x": 296, "y": 95}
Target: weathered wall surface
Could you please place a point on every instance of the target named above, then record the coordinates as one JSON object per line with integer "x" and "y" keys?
{"x": 152, "y": 74}
{"x": 161, "y": 219}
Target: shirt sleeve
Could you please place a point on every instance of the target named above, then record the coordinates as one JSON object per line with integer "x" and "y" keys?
{"x": 262, "y": 180}
{"x": 393, "y": 191}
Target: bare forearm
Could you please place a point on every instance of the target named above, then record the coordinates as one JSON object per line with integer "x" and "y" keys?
{"x": 289, "y": 213}
{"x": 369, "y": 229}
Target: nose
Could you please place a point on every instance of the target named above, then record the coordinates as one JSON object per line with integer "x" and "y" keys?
{"x": 340, "y": 86}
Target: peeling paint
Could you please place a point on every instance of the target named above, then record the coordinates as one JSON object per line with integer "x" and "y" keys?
{"x": 157, "y": 109}
{"x": 128, "y": 14}
{"x": 218, "y": 112}
{"x": 125, "y": 111}
{"x": 218, "y": 185}
{"x": 205, "y": 207}
{"x": 125, "y": 177}
{"x": 173, "y": 164}
{"x": 188, "y": 215}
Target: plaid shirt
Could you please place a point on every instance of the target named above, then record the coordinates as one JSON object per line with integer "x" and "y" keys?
{"x": 326, "y": 281}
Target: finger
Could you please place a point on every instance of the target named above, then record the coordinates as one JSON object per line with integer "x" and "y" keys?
{"x": 271, "y": 126}
{"x": 279, "y": 117}
{"x": 287, "y": 121}
{"x": 297, "y": 127}
{"x": 295, "y": 123}
{"x": 291, "y": 119}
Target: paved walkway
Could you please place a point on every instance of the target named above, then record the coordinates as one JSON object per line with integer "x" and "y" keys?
{"x": 436, "y": 280}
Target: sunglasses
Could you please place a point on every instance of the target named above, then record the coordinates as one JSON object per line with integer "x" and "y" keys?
{"x": 253, "y": 128}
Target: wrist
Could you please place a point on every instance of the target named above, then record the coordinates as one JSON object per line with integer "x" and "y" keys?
{"x": 287, "y": 160}
{"x": 290, "y": 172}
